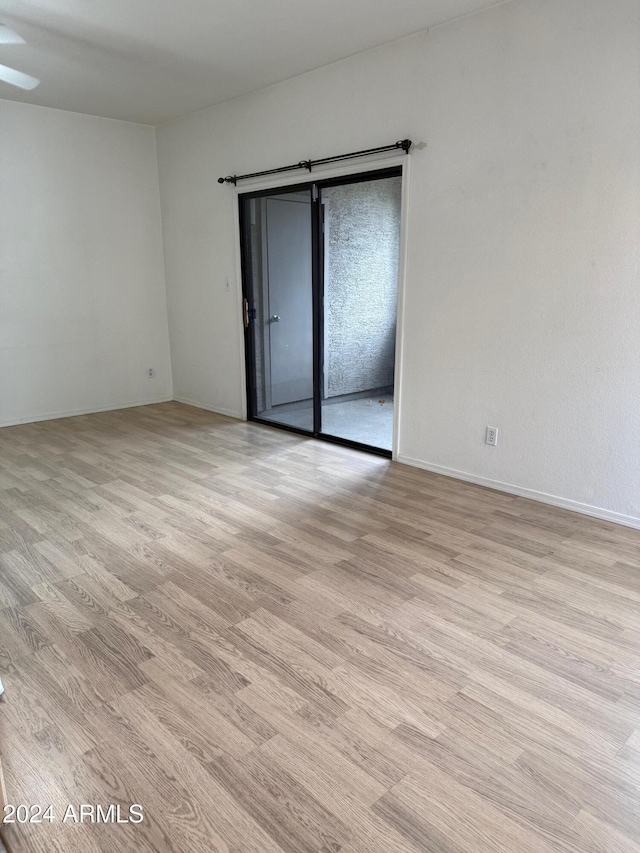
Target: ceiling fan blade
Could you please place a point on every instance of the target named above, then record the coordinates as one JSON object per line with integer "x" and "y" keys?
{"x": 18, "y": 78}
{"x": 8, "y": 36}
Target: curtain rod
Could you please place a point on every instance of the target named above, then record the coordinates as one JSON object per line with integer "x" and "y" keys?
{"x": 404, "y": 144}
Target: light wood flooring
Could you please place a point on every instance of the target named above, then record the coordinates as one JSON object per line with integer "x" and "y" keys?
{"x": 274, "y": 644}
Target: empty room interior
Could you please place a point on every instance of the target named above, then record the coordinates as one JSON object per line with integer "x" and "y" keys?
{"x": 320, "y": 426}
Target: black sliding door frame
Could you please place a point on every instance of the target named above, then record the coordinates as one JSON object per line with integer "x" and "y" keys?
{"x": 317, "y": 284}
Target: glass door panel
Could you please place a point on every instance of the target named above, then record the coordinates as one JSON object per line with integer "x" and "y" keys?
{"x": 360, "y": 261}
{"x": 279, "y": 307}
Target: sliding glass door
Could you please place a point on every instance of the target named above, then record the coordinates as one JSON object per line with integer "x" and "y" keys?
{"x": 320, "y": 272}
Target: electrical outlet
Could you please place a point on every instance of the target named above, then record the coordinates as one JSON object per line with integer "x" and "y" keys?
{"x": 150, "y": 372}
{"x": 491, "y": 436}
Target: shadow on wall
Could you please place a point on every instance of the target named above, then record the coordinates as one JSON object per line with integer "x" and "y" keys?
{"x": 362, "y": 240}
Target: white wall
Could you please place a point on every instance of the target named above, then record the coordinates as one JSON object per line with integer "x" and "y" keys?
{"x": 523, "y": 296}
{"x": 82, "y": 295}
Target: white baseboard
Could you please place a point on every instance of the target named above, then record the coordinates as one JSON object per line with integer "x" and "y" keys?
{"x": 72, "y": 413}
{"x": 532, "y": 494}
{"x": 215, "y": 409}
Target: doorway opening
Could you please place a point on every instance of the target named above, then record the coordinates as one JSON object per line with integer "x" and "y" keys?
{"x": 320, "y": 282}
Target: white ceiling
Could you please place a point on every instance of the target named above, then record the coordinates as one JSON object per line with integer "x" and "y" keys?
{"x": 152, "y": 60}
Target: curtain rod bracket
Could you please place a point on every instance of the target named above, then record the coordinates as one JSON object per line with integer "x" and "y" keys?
{"x": 230, "y": 179}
